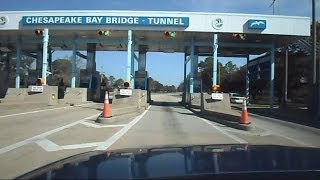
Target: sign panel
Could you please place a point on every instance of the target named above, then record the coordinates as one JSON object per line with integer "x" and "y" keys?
{"x": 105, "y": 20}
{"x": 126, "y": 92}
{"x": 257, "y": 24}
{"x": 217, "y": 96}
{"x": 36, "y": 89}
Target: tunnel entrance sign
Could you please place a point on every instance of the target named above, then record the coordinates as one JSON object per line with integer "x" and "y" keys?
{"x": 106, "y": 20}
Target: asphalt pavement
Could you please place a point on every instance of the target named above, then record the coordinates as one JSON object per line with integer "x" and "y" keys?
{"x": 37, "y": 136}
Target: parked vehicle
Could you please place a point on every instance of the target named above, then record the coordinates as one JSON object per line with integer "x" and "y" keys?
{"x": 236, "y": 98}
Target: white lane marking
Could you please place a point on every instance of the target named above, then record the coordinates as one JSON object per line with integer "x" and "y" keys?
{"x": 78, "y": 146}
{"x": 42, "y": 136}
{"x": 48, "y": 145}
{"x": 225, "y": 133}
{"x": 90, "y": 125}
{"x": 114, "y": 125}
{"x": 105, "y": 145}
{"x": 30, "y": 112}
{"x": 101, "y": 126}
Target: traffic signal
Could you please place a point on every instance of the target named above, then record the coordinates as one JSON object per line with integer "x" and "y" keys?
{"x": 104, "y": 32}
{"x": 239, "y": 36}
{"x": 38, "y": 32}
{"x": 170, "y": 34}
{"x": 216, "y": 88}
{"x": 126, "y": 85}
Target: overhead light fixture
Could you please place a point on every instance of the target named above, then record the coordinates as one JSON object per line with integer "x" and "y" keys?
{"x": 56, "y": 48}
{"x": 168, "y": 50}
{"x": 5, "y": 49}
{"x": 64, "y": 46}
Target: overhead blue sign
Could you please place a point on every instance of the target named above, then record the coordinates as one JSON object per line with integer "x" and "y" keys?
{"x": 257, "y": 24}
{"x": 105, "y": 20}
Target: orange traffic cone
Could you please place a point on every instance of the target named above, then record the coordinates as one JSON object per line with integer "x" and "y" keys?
{"x": 106, "y": 107}
{"x": 244, "y": 114}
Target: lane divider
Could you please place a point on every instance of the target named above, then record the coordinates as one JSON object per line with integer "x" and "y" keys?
{"x": 42, "y": 136}
{"x": 110, "y": 141}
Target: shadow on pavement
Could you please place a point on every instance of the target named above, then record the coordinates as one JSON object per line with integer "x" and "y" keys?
{"x": 162, "y": 103}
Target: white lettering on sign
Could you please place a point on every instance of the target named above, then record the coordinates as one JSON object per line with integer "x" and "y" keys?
{"x": 36, "y": 89}
{"x": 109, "y": 20}
{"x": 126, "y": 92}
{"x": 122, "y": 20}
{"x": 55, "y": 20}
{"x": 217, "y": 96}
{"x": 93, "y": 20}
{"x": 165, "y": 21}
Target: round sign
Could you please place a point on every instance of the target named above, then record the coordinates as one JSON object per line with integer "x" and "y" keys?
{"x": 3, "y": 20}
{"x": 217, "y": 23}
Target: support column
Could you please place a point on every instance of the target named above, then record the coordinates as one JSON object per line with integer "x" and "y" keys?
{"x": 184, "y": 79}
{"x": 91, "y": 58}
{"x": 50, "y": 59}
{"x": 45, "y": 55}
{"x": 196, "y": 81}
{"x": 129, "y": 58}
{"x": 271, "y": 90}
{"x": 39, "y": 61}
{"x": 247, "y": 82}
{"x": 191, "y": 66}
{"x": 74, "y": 63}
{"x": 132, "y": 66}
{"x": 18, "y": 60}
{"x": 142, "y": 58}
{"x": 215, "y": 59}
{"x": 286, "y": 77}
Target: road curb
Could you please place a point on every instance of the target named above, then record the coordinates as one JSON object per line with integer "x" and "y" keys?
{"x": 287, "y": 123}
{"x": 229, "y": 123}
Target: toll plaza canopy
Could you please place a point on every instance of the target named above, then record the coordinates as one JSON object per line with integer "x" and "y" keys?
{"x": 192, "y": 33}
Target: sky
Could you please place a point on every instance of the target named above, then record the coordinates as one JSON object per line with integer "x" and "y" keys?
{"x": 166, "y": 68}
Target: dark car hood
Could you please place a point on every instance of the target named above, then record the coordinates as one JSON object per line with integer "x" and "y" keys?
{"x": 180, "y": 161}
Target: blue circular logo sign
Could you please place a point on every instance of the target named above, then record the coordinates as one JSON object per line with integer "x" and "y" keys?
{"x": 3, "y": 20}
{"x": 217, "y": 23}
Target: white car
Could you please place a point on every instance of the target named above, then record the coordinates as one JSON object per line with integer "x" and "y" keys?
{"x": 236, "y": 98}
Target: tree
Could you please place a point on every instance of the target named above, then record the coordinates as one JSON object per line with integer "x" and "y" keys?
{"x": 225, "y": 74}
{"x": 25, "y": 66}
{"x": 230, "y": 67}
{"x": 180, "y": 87}
{"x": 118, "y": 83}
{"x": 61, "y": 68}
{"x": 111, "y": 81}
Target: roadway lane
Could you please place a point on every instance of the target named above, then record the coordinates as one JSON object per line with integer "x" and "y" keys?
{"x": 18, "y": 127}
{"x": 168, "y": 123}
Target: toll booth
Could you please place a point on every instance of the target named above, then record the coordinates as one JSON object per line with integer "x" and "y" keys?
{"x": 92, "y": 81}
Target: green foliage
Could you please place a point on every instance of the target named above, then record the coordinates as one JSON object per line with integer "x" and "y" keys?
{"x": 224, "y": 71}
{"x": 156, "y": 86}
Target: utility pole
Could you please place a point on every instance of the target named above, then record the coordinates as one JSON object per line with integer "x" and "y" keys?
{"x": 316, "y": 63}
{"x": 272, "y": 4}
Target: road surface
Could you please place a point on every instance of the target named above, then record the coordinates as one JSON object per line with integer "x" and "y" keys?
{"x": 29, "y": 140}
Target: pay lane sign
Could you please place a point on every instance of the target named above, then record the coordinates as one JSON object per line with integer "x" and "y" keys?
{"x": 105, "y": 20}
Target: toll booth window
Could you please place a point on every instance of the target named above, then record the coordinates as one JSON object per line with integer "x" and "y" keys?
{"x": 94, "y": 83}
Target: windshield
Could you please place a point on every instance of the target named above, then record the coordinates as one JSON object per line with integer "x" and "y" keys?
{"x": 77, "y": 77}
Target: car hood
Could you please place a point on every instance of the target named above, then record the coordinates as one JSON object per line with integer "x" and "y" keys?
{"x": 179, "y": 161}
